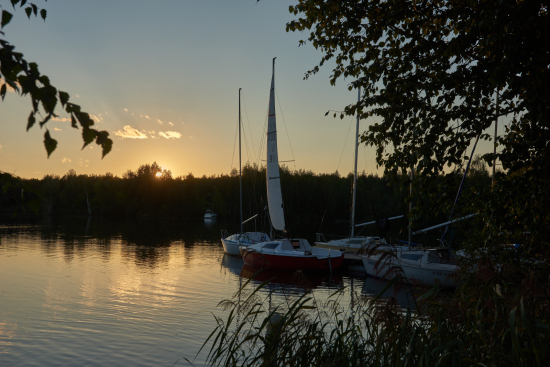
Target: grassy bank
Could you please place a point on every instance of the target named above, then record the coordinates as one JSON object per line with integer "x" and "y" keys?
{"x": 486, "y": 321}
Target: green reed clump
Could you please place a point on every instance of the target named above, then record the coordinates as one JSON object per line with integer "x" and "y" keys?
{"x": 491, "y": 328}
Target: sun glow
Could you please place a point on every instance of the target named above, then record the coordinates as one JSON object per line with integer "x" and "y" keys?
{"x": 159, "y": 174}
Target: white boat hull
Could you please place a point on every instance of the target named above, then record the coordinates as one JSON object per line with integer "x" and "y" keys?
{"x": 413, "y": 271}
{"x": 232, "y": 243}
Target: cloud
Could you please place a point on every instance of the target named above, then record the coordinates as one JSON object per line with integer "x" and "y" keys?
{"x": 170, "y": 135}
{"x": 190, "y": 137}
{"x": 0, "y": 146}
{"x": 62, "y": 119}
{"x": 83, "y": 162}
{"x": 126, "y": 109}
{"x": 97, "y": 118}
{"x": 171, "y": 123}
{"x": 65, "y": 160}
{"x": 57, "y": 129}
{"x": 130, "y": 133}
{"x": 160, "y": 122}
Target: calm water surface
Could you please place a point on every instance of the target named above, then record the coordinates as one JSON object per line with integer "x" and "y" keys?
{"x": 112, "y": 292}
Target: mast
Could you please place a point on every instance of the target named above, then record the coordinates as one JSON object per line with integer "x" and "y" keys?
{"x": 410, "y": 206}
{"x": 495, "y": 143}
{"x": 411, "y": 191}
{"x": 240, "y": 165}
{"x": 355, "y": 166}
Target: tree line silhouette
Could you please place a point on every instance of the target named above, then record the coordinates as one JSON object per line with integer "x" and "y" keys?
{"x": 151, "y": 191}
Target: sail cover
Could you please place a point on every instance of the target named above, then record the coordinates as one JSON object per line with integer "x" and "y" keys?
{"x": 274, "y": 195}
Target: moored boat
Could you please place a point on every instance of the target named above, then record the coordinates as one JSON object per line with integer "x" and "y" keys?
{"x": 232, "y": 243}
{"x": 428, "y": 266}
{"x": 291, "y": 254}
{"x": 288, "y": 254}
{"x": 353, "y": 244}
{"x": 210, "y": 214}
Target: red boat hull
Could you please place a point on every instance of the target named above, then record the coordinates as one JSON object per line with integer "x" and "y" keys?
{"x": 290, "y": 262}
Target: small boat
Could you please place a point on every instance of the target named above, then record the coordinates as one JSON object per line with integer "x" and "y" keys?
{"x": 429, "y": 266}
{"x": 232, "y": 243}
{"x": 288, "y": 254}
{"x": 210, "y": 214}
{"x": 291, "y": 254}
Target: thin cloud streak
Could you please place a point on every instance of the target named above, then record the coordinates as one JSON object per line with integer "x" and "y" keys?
{"x": 170, "y": 134}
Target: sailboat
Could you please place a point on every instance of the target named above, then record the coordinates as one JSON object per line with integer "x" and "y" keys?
{"x": 354, "y": 244}
{"x": 232, "y": 243}
{"x": 287, "y": 254}
{"x": 429, "y": 266}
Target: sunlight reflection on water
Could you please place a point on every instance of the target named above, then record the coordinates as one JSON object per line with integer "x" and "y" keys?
{"x": 98, "y": 292}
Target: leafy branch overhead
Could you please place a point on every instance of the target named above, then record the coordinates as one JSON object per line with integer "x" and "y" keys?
{"x": 426, "y": 66}
{"x": 24, "y": 78}
{"x": 437, "y": 74}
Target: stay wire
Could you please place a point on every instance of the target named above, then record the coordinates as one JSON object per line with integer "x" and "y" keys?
{"x": 335, "y": 177}
{"x": 254, "y": 176}
{"x": 286, "y": 129}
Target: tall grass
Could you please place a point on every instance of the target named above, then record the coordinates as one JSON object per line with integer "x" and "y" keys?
{"x": 495, "y": 329}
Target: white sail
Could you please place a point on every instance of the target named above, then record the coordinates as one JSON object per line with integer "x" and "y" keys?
{"x": 274, "y": 195}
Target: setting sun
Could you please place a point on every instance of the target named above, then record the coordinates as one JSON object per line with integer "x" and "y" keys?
{"x": 159, "y": 174}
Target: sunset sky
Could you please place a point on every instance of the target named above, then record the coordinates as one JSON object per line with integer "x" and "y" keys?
{"x": 162, "y": 77}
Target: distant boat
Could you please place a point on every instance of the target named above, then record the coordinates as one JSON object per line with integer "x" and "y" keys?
{"x": 287, "y": 254}
{"x": 210, "y": 214}
{"x": 232, "y": 243}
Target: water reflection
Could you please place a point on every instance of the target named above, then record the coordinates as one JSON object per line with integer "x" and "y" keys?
{"x": 234, "y": 264}
{"x": 117, "y": 292}
{"x": 146, "y": 240}
{"x": 294, "y": 279}
{"x": 397, "y": 292}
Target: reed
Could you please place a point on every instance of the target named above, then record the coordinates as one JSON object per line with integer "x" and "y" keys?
{"x": 462, "y": 329}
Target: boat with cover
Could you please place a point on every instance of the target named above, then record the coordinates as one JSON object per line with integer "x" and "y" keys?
{"x": 428, "y": 266}
{"x": 232, "y": 243}
{"x": 288, "y": 254}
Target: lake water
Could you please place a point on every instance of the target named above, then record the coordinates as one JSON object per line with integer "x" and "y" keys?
{"x": 114, "y": 292}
